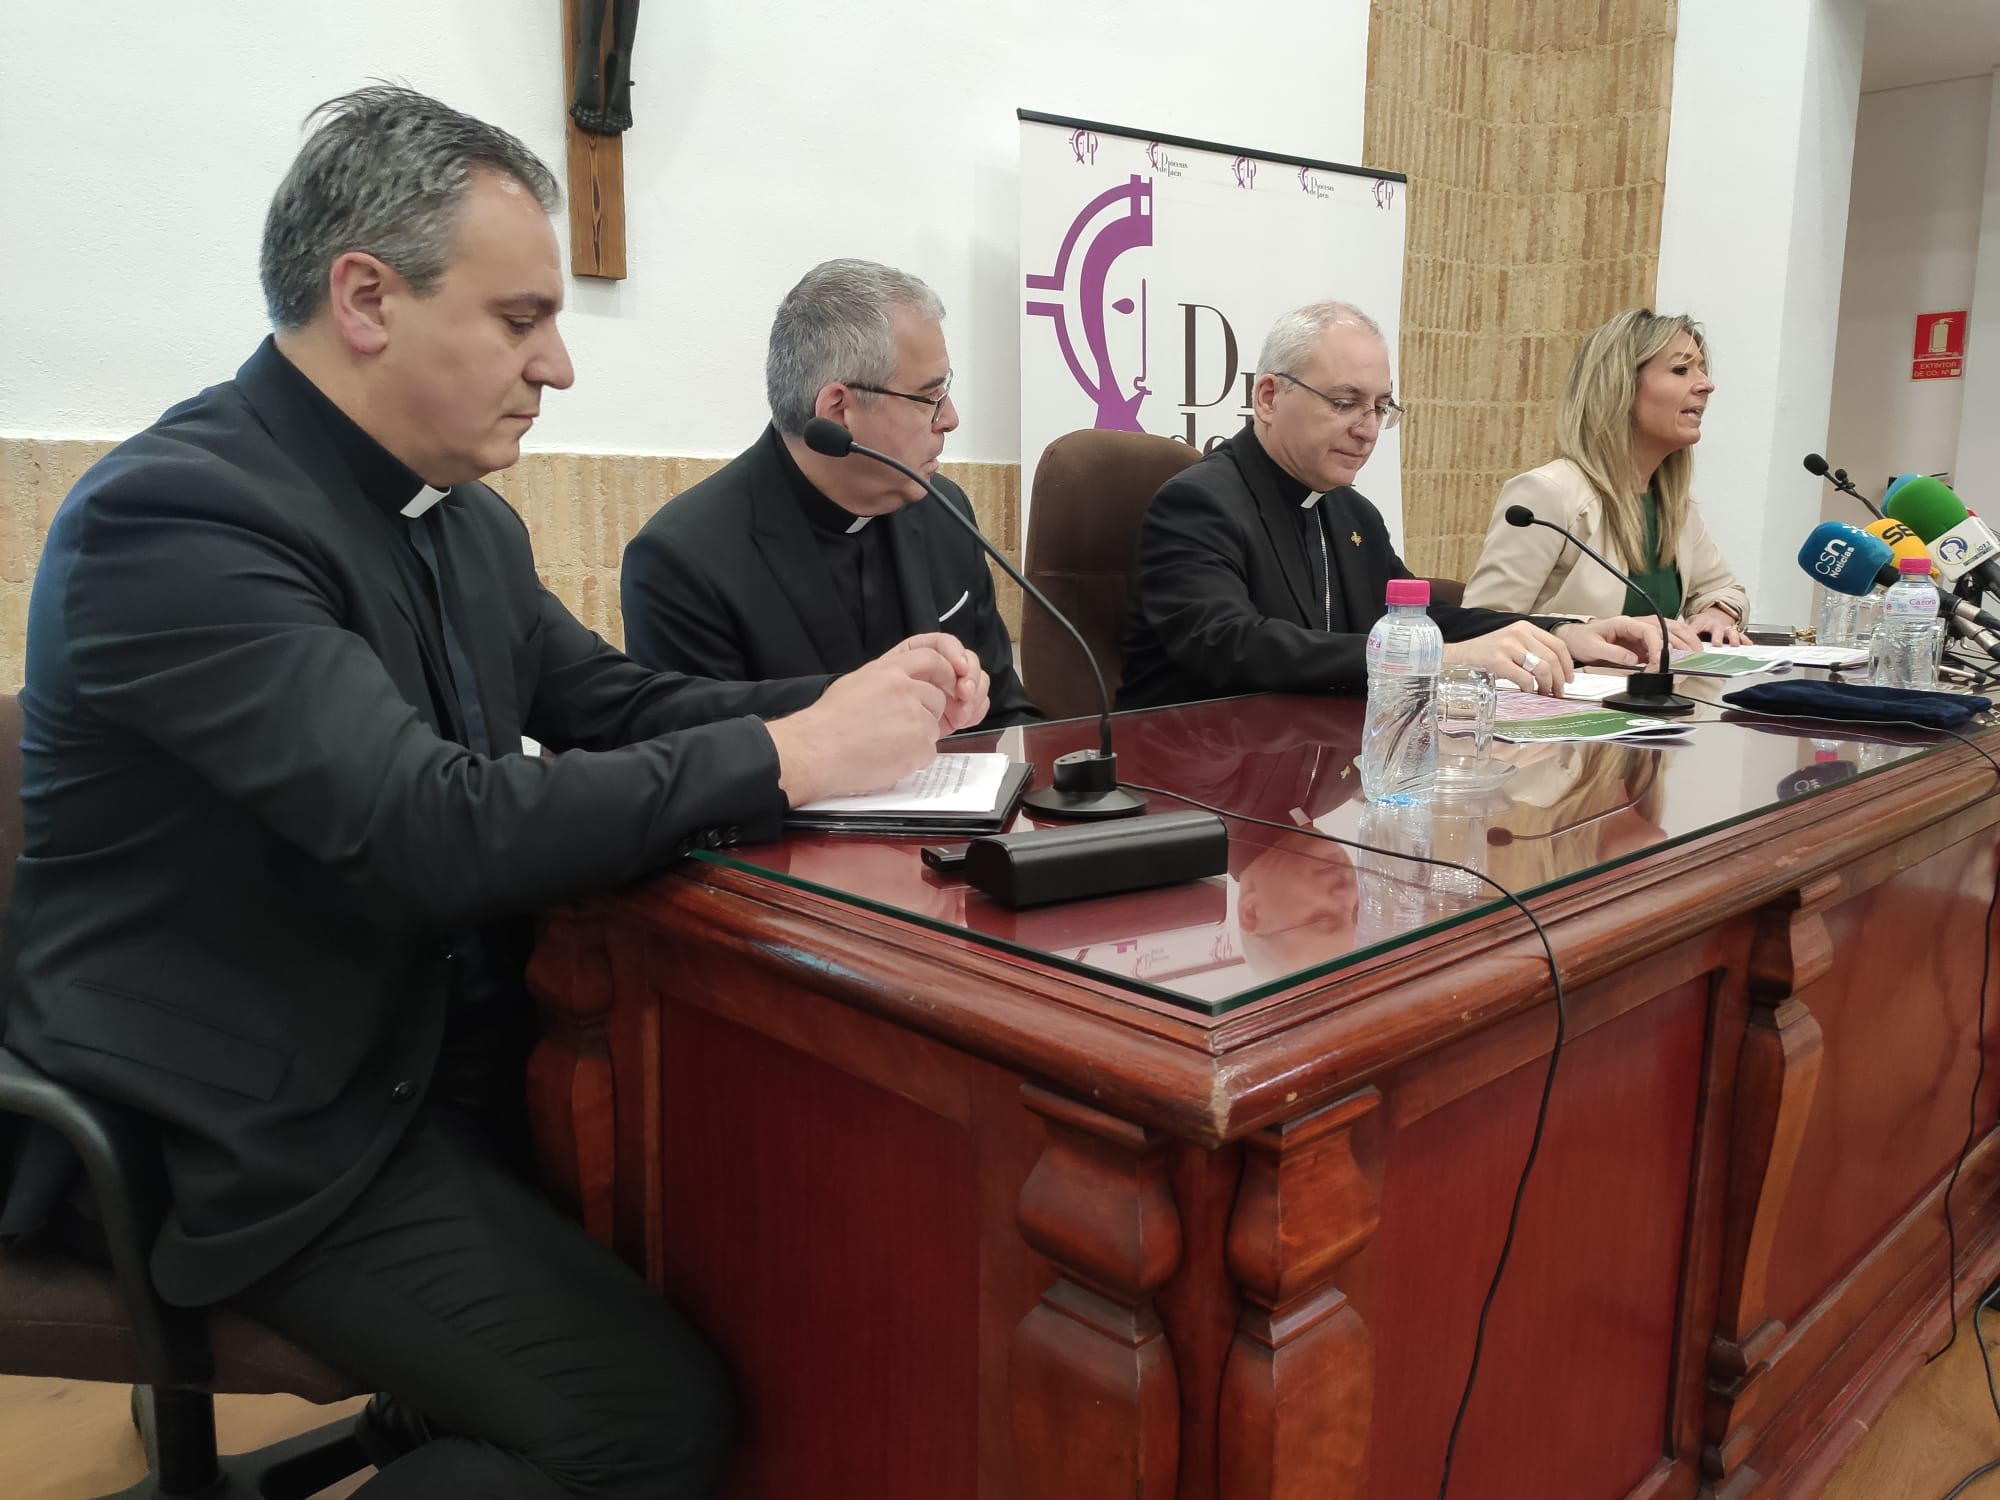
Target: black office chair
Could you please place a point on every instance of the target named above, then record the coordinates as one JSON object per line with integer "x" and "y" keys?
{"x": 64, "y": 1318}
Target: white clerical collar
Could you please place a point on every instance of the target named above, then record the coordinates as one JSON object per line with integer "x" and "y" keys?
{"x": 426, "y": 498}
{"x": 858, "y": 523}
{"x": 1313, "y": 499}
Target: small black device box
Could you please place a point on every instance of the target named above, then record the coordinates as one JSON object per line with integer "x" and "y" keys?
{"x": 1041, "y": 865}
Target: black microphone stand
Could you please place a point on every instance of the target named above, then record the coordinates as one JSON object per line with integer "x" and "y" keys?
{"x": 1646, "y": 692}
{"x": 1816, "y": 465}
{"x": 1085, "y": 782}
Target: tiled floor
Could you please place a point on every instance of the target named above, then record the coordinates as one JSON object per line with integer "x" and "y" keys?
{"x": 61, "y": 1441}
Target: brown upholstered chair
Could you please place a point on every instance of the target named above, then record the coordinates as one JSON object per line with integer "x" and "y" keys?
{"x": 1091, "y": 492}
{"x": 62, "y": 1318}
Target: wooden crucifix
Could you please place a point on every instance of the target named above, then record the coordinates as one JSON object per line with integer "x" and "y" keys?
{"x": 597, "y": 82}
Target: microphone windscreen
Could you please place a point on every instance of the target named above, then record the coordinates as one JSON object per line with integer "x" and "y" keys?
{"x": 1926, "y": 506}
{"x": 1902, "y": 541}
{"x": 1844, "y": 558}
{"x": 824, "y": 435}
{"x": 1896, "y": 484}
{"x": 1520, "y": 515}
{"x": 1816, "y": 465}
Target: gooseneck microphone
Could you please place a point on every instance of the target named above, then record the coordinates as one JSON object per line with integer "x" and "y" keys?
{"x": 1816, "y": 465}
{"x": 1085, "y": 781}
{"x": 1647, "y": 692}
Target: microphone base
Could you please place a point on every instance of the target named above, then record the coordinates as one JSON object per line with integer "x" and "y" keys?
{"x": 1650, "y": 693}
{"x": 1057, "y": 803}
{"x": 1085, "y": 786}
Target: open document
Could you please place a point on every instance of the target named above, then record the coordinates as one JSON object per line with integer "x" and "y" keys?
{"x": 964, "y": 793}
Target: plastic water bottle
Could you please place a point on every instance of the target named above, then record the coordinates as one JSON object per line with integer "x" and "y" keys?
{"x": 1903, "y": 649}
{"x": 1399, "y": 736}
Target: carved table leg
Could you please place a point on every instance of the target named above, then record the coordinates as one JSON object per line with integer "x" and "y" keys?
{"x": 570, "y": 1098}
{"x": 1095, "y": 1399}
{"x": 1782, "y": 1052}
{"x": 1299, "y": 1388}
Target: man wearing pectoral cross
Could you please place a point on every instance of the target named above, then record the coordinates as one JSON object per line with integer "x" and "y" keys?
{"x": 1240, "y": 585}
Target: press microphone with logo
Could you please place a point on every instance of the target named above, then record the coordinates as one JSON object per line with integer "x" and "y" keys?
{"x": 1849, "y": 560}
{"x": 1646, "y": 692}
{"x": 1816, "y": 465}
{"x": 1963, "y": 546}
{"x": 1902, "y": 541}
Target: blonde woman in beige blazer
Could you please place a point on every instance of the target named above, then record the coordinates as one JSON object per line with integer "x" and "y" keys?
{"x": 1627, "y": 424}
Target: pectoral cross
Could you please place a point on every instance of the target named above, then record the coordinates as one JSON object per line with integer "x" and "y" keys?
{"x": 1354, "y": 537}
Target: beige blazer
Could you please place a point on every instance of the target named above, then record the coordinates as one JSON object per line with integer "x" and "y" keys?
{"x": 1532, "y": 571}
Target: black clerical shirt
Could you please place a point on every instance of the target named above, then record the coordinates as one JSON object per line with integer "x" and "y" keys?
{"x": 489, "y": 1026}
{"x": 857, "y": 556}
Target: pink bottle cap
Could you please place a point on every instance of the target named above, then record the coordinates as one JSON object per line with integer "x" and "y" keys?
{"x": 1906, "y": 565}
{"x": 1409, "y": 591}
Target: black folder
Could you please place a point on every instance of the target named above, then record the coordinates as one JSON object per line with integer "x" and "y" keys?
{"x": 960, "y": 825}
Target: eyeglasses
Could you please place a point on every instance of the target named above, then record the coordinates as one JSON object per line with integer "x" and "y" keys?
{"x": 935, "y": 403}
{"x": 1388, "y": 413}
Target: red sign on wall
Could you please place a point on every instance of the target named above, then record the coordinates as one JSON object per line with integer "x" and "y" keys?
{"x": 1940, "y": 351}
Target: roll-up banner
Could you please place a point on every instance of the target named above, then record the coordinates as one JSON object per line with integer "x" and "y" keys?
{"x": 1152, "y": 267}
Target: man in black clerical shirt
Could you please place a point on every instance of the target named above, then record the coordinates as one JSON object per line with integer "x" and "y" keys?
{"x": 1260, "y": 570}
{"x": 787, "y": 561}
{"x": 282, "y": 848}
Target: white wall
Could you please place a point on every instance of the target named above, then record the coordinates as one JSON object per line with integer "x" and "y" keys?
{"x": 1764, "y": 105}
{"x": 1913, "y": 242}
{"x": 140, "y": 142}
{"x": 1978, "y": 464}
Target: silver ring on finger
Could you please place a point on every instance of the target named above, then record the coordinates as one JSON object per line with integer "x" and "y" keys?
{"x": 1530, "y": 661}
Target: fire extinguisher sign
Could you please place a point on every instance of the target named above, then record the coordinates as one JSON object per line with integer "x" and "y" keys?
{"x": 1940, "y": 348}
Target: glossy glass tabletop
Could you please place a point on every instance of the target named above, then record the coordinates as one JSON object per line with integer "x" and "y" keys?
{"x": 1293, "y": 906}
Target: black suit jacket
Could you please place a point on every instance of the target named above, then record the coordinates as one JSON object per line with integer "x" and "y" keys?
{"x": 727, "y": 581}
{"x": 1226, "y": 600}
{"x": 249, "y": 835}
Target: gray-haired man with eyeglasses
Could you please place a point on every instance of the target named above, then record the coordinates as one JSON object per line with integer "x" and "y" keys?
{"x": 788, "y": 561}
{"x": 1261, "y": 569}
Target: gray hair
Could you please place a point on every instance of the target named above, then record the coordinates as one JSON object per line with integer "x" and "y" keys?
{"x": 834, "y": 326}
{"x": 1290, "y": 342}
{"x": 384, "y": 170}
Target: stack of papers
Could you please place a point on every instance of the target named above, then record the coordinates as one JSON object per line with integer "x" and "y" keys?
{"x": 949, "y": 784}
{"x": 1741, "y": 661}
{"x": 966, "y": 794}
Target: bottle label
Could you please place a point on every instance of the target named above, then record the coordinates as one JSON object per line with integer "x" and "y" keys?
{"x": 1912, "y": 603}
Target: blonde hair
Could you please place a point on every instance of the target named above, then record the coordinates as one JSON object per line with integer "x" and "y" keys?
{"x": 1594, "y": 427}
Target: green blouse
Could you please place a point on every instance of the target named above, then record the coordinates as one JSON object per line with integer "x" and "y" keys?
{"x": 1663, "y": 583}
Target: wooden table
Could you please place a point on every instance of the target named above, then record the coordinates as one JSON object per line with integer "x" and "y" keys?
{"x": 1198, "y": 1192}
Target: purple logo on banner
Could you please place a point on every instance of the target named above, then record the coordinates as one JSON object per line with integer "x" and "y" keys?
{"x": 1084, "y": 144}
{"x": 1385, "y": 194}
{"x": 1116, "y": 220}
{"x": 1245, "y": 168}
{"x": 1310, "y": 183}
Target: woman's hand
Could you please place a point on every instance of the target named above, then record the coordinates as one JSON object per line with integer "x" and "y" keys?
{"x": 1719, "y": 627}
